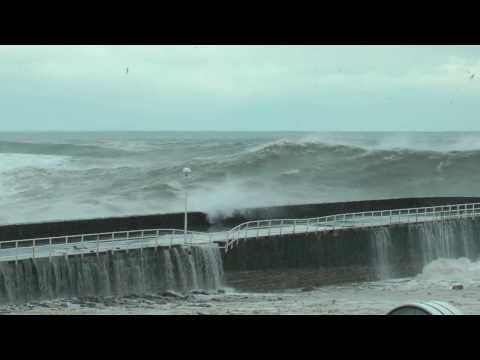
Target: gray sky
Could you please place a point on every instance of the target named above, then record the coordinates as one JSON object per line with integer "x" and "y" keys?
{"x": 306, "y": 88}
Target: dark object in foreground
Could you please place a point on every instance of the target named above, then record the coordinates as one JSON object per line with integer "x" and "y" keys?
{"x": 426, "y": 308}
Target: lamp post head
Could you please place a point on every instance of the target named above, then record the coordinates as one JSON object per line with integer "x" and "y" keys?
{"x": 186, "y": 172}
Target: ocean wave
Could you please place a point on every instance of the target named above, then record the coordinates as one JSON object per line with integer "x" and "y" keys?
{"x": 57, "y": 149}
{"x": 85, "y": 175}
{"x": 11, "y": 162}
{"x": 416, "y": 142}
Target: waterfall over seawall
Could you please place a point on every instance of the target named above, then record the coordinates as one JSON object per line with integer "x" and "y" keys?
{"x": 382, "y": 245}
{"x": 348, "y": 255}
{"x": 117, "y": 273}
{"x": 424, "y": 243}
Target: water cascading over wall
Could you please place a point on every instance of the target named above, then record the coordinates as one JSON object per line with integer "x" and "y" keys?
{"x": 346, "y": 255}
{"x": 119, "y": 273}
{"x": 420, "y": 244}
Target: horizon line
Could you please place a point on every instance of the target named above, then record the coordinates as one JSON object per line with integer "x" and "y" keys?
{"x": 233, "y": 131}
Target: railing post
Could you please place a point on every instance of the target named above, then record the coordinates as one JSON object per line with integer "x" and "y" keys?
{"x": 33, "y": 249}
{"x": 281, "y": 226}
{"x": 16, "y": 251}
{"x": 269, "y": 227}
{"x": 98, "y": 243}
{"x": 294, "y": 225}
{"x": 49, "y": 248}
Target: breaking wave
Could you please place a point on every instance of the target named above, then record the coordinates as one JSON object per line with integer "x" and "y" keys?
{"x": 84, "y": 175}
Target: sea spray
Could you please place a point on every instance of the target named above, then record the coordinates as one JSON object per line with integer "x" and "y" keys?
{"x": 427, "y": 241}
{"x": 451, "y": 270}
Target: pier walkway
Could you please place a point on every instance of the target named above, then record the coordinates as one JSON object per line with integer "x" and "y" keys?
{"x": 79, "y": 244}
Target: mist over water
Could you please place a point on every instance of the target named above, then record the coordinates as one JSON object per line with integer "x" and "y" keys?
{"x": 46, "y": 176}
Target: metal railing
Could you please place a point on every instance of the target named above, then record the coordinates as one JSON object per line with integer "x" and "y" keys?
{"x": 349, "y": 220}
{"x": 140, "y": 239}
{"x": 101, "y": 242}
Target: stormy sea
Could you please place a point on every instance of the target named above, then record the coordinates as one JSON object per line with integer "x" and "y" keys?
{"x": 47, "y": 176}
{"x": 61, "y": 176}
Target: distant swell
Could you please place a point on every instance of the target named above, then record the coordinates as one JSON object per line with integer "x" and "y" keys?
{"x": 58, "y": 149}
{"x": 54, "y": 176}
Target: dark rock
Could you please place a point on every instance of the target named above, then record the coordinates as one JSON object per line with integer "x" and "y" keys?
{"x": 457, "y": 287}
{"x": 221, "y": 291}
{"x": 199, "y": 292}
{"x": 132, "y": 296}
{"x": 308, "y": 288}
{"x": 85, "y": 299}
{"x": 88, "y": 304}
{"x": 173, "y": 294}
{"x": 43, "y": 305}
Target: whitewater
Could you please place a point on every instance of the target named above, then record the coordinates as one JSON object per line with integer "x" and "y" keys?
{"x": 49, "y": 176}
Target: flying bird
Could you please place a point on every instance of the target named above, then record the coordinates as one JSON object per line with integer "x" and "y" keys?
{"x": 126, "y": 71}
{"x": 472, "y": 76}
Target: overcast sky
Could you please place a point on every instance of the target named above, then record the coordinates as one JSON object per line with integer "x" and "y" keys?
{"x": 306, "y": 88}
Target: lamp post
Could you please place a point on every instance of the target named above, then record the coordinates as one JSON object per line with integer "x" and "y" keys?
{"x": 186, "y": 174}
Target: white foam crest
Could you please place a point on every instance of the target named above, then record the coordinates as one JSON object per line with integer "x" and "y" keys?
{"x": 278, "y": 143}
{"x": 461, "y": 269}
{"x": 291, "y": 172}
{"x": 428, "y": 142}
{"x": 11, "y": 161}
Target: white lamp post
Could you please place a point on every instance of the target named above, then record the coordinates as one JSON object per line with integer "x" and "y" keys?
{"x": 186, "y": 174}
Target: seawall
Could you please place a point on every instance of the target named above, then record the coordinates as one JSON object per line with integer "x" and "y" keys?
{"x": 111, "y": 273}
{"x": 347, "y": 255}
{"x": 316, "y": 210}
{"x": 269, "y": 263}
{"x": 199, "y": 221}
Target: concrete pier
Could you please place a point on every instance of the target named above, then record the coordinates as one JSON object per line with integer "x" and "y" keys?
{"x": 262, "y": 255}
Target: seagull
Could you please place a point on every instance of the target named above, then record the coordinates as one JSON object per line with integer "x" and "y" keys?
{"x": 126, "y": 71}
{"x": 472, "y": 76}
